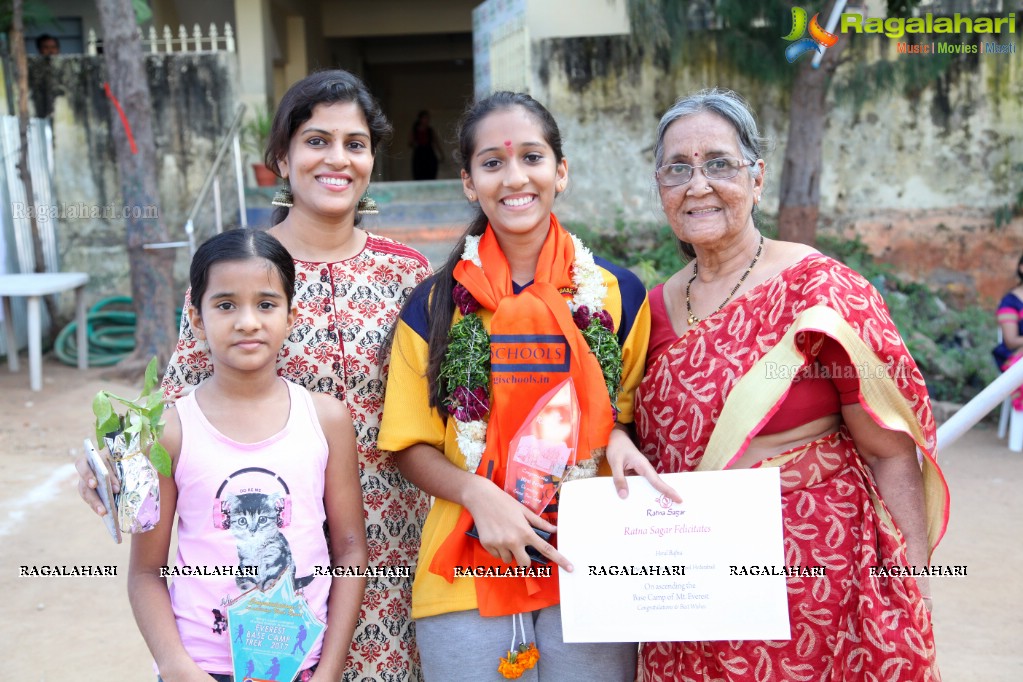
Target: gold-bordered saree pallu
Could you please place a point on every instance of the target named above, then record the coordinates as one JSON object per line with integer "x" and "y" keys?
{"x": 705, "y": 397}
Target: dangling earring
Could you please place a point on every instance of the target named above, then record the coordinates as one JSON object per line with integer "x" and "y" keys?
{"x": 367, "y": 206}
{"x": 283, "y": 197}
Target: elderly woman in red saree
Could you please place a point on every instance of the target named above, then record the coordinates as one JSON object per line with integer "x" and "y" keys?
{"x": 767, "y": 353}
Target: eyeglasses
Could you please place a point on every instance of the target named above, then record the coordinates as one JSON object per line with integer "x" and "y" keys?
{"x": 675, "y": 174}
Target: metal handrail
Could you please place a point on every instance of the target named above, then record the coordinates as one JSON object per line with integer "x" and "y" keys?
{"x": 212, "y": 180}
{"x": 975, "y": 410}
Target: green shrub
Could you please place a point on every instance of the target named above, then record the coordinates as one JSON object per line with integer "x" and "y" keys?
{"x": 649, "y": 251}
{"x": 952, "y": 347}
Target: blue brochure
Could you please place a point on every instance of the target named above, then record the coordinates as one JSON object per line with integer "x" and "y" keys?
{"x": 272, "y": 633}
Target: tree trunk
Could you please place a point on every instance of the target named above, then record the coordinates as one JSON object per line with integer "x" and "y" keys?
{"x": 21, "y": 76}
{"x": 152, "y": 283}
{"x": 799, "y": 204}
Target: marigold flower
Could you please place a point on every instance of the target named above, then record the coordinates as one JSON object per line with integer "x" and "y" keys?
{"x": 510, "y": 668}
{"x": 528, "y": 656}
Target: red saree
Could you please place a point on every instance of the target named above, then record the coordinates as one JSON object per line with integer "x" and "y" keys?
{"x": 708, "y": 394}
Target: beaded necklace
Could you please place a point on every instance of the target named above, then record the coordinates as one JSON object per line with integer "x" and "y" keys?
{"x": 693, "y": 319}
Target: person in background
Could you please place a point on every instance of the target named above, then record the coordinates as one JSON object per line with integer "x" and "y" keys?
{"x": 1010, "y": 324}
{"x": 47, "y": 45}
{"x": 349, "y": 288}
{"x": 844, "y": 427}
{"x": 426, "y": 151}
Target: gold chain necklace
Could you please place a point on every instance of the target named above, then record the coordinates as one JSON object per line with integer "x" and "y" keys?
{"x": 693, "y": 319}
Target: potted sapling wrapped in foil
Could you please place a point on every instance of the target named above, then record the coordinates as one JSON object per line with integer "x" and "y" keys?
{"x": 131, "y": 433}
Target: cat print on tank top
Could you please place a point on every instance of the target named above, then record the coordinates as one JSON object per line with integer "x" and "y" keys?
{"x": 260, "y": 543}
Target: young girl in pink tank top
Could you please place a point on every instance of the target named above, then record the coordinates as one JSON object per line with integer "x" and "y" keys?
{"x": 259, "y": 465}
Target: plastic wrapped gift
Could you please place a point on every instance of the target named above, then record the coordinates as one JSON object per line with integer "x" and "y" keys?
{"x": 544, "y": 446}
{"x": 138, "y": 503}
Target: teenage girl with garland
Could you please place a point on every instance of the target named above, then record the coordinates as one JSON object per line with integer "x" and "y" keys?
{"x": 271, "y": 460}
{"x": 450, "y": 414}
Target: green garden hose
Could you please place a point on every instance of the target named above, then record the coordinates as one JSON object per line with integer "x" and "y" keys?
{"x": 110, "y": 334}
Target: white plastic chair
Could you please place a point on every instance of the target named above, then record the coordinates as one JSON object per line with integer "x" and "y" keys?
{"x": 1010, "y": 420}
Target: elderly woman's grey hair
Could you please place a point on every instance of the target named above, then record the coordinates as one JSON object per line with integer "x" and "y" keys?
{"x": 729, "y": 106}
{"x": 726, "y": 104}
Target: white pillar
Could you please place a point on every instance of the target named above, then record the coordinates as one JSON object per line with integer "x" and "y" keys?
{"x": 296, "y": 67}
{"x": 255, "y": 46}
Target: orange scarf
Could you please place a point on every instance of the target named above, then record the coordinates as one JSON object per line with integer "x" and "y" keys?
{"x": 534, "y": 345}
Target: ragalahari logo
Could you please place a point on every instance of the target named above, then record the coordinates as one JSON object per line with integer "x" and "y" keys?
{"x": 818, "y": 40}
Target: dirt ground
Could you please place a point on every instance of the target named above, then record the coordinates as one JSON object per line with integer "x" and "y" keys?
{"x": 56, "y": 628}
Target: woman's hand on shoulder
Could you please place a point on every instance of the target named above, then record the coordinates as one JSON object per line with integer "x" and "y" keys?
{"x": 625, "y": 458}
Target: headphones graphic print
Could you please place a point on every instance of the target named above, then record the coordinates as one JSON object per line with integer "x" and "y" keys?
{"x": 222, "y": 515}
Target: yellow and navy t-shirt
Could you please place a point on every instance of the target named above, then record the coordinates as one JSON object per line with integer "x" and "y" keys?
{"x": 409, "y": 420}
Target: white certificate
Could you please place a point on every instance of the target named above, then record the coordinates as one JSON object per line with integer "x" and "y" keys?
{"x": 651, "y": 570}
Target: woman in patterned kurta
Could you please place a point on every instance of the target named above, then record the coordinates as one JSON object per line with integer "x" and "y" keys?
{"x": 765, "y": 353}
{"x": 349, "y": 289}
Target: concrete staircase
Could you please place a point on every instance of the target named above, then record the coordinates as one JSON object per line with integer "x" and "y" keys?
{"x": 427, "y": 215}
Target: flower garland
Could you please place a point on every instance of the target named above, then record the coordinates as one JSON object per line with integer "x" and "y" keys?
{"x": 466, "y": 366}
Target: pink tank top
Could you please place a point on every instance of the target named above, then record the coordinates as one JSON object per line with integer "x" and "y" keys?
{"x": 246, "y": 504}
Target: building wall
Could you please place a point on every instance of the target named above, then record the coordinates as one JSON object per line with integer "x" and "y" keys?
{"x": 194, "y": 99}
{"x": 574, "y": 18}
{"x": 900, "y": 170}
{"x": 939, "y": 155}
{"x": 85, "y": 12}
{"x": 356, "y": 18}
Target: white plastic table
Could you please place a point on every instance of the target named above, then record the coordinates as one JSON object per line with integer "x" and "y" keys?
{"x": 34, "y": 286}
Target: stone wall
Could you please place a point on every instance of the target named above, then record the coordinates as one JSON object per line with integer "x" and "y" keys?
{"x": 926, "y": 166}
{"x": 922, "y": 166}
{"x": 194, "y": 99}
{"x": 959, "y": 251}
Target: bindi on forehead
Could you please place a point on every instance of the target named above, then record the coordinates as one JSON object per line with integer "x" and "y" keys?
{"x": 508, "y": 145}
